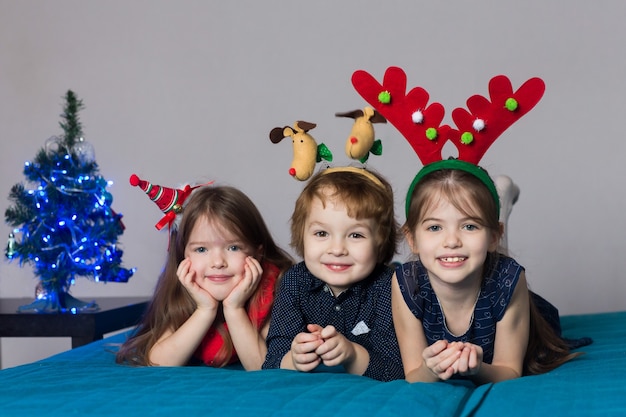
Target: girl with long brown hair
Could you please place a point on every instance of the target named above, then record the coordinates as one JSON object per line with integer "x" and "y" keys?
{"x": 213, "y": 299}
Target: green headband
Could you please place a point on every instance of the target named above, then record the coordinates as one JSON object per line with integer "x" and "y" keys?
{"x": 452, "y": 163}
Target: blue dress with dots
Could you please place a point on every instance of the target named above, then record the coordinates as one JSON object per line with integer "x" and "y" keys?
{"x": 499, "y": 281}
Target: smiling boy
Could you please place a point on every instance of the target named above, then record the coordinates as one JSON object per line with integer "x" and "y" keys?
{"x": 334, "y": 308}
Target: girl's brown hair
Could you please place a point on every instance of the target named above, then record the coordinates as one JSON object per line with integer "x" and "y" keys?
{"x": 545, "y": 350}
{"x": 462, "y": 189}
{"x": 364, "y": 199}
{"x": 171, "y": 304}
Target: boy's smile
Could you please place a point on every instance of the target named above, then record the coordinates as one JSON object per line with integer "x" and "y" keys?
{"x": 338, "y": 249}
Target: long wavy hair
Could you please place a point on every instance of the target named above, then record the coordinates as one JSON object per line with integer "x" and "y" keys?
{"x": 171, "y": 304}
{"x": 546, "y": 350}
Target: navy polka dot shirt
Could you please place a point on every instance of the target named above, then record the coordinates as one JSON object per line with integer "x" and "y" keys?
{"x": 362, "y": 314}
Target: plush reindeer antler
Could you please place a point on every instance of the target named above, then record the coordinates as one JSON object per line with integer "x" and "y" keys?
{"x": 410, "y": 113}
{"x": 477, "y": 129}
{"x": 486, "y": 120}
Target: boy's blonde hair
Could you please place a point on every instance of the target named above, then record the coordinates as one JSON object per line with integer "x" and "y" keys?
{"x": 364, "y": 199}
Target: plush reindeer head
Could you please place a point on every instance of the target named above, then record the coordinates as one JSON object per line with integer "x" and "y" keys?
{"x": 362, "y": 138}
{"x": 306, "y": 151}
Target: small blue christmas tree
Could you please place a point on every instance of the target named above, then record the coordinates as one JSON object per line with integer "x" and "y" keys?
{"x": 65, "y": 226}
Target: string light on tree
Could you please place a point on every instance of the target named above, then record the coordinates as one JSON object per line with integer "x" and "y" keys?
{"x": 64, "y": 225}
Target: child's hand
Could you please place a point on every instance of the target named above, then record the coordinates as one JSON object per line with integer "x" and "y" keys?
{"x": 246, "y": 287}
{"x": 187, "y": 277}
{"x": 441, "y": 358}
{"x": 303, "y": 349}
{"x": 470, "y": 360}
{"x": 336, "y": 349}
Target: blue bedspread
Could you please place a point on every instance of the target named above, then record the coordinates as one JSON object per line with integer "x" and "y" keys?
{"x": 86, "y": 381}
{"x": 591, "y": 385}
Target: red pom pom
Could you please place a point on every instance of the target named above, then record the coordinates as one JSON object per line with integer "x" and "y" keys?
{"x": 134, "y": 180}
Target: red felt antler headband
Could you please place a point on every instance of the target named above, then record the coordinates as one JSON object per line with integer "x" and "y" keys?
{"x": 420, "y": 123}
{"x": 477, "y": 127}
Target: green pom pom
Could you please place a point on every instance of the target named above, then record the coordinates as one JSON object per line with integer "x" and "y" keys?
{"x": 467, "y": 138}
{"x": 431, "y": 133}
{"x": 384, "y": 97}
{"x": 511, "y": 104}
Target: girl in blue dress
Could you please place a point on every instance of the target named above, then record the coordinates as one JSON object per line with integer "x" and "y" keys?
{"x": 463, "y": 308}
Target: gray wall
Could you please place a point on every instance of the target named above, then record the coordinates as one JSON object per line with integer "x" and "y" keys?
{"x": 187, "y": 91}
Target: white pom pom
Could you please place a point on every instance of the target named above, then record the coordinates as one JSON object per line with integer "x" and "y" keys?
{"x": 417, "y": 117}
{"x": 478, "y": 125}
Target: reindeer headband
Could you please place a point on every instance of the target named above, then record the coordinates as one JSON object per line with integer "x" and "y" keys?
{"x": 307, "y": 153}
{"x": 420, "y": 123}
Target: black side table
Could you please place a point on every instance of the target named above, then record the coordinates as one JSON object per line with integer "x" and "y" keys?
{"x": 115, "y": 313}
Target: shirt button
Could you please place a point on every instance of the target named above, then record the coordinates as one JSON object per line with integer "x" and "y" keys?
{"x": 337, "y": 307}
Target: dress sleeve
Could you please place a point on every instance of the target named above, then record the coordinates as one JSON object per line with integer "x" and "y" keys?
{"x": 407, "y": 275}
{"x": 259, "y": 313}
{"x": 506, "y": 277}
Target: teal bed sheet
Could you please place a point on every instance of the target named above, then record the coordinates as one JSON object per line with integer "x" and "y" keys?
{"x": 86, "y": 382}
{"x": 591, "y": 385}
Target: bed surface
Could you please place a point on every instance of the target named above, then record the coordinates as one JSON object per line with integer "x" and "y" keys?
{"x": 86, "y": 381}
{"x": 593, "y": 384}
